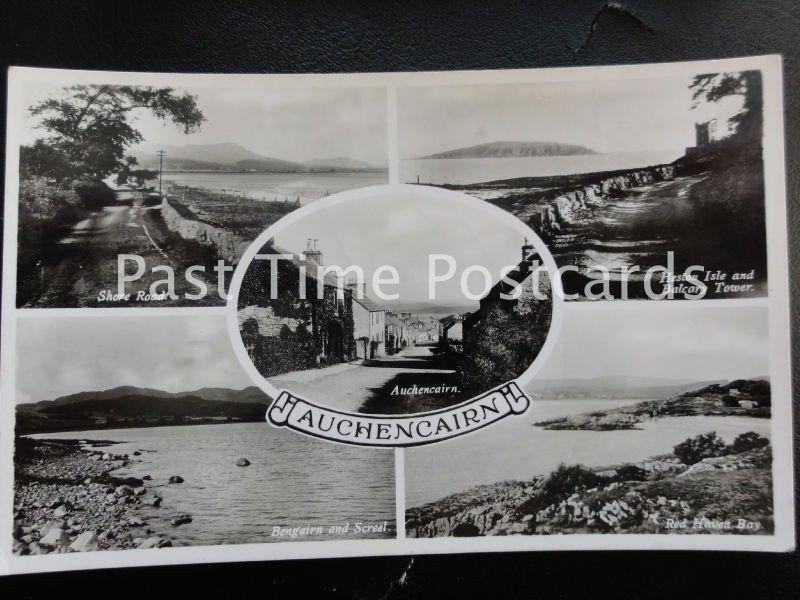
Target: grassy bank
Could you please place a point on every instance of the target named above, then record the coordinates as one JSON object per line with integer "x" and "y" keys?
{"x": 46, "y": 214}
{"x": 240, "y": 215}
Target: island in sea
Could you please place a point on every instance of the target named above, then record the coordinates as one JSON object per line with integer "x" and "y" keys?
{"x": 704, "y": 485}
{"x": 513, "y": 149}
{"x": 624, "y": 212}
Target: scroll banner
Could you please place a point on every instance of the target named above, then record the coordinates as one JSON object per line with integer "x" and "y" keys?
{"x": 407, "y": 430}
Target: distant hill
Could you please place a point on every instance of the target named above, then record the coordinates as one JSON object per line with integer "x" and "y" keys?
{"x": 430, "y": 308}
{"x": 514, "y": 150}
{"x": 226, "y": 153}
{"x": 141, "y": 406}
{"x": 248, "y": 394}
{"x": 229, "y": 156}
{"x": 270, "y": 165}
{"x": 183, "y": 164}
{"x": 129, "y": 406}
{"x": 338, "y": 162}
{"x": 620, "y": 387}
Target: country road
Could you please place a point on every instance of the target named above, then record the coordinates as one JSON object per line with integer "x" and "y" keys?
{"x": 367, "y": 387}
{"x": 77, "y": 268}
{"x": 629, "y": 230}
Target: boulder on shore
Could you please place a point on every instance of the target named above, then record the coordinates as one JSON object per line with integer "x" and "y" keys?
{"x": 85, "y": 542}
{"x": 176, "y": 479}
{"x": 151, "y": 500}
{"x": 155, "y": 542}
{"x": 54, "y": 538}
{"x": 242, "y": 462}
{"x": 135, "y": 522}
{"x": 181, "y": 520}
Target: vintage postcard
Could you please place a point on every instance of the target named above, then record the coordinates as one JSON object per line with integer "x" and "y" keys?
{"x": 261, "y": 317}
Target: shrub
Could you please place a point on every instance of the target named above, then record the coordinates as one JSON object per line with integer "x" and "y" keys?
{"x": 748, "y": 441}
{"x": 560, "y": 484}
{"x": 729, "y": 401}
{"x": 631, "y": 473}
{"x": 466, "y": 530}
{"x": 94, "y": 194}
{"x": 502, "y": 345}
{"x": 706, "y": 445}
{"x": 759, "y": 391}
{"x": 567, "y": 479}
{"x": 759, "y": 387}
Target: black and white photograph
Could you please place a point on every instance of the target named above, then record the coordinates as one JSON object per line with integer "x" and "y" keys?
{"x": 132, "y": 195}
{"x": 395, "y": 303}
{"x": 163, "y": 443}
{"x": 648, "y": 420}
{"x": 617, "y": 176}
{"x": 287, "y": 317}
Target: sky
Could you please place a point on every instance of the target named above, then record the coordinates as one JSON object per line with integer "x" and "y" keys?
{"x": 301, "y": 124}
{"x": 296, "y": 124}
{"x": 58, "y": 356}
{"x": 606, "y": 116}
{"x": 687, "y": 343}
{"x": 62, "y": 355}
{"x": 402, "y": 230}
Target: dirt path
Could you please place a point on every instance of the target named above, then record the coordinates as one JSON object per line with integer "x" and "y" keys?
{"x": 81, "y": 266}
{"x": 635, "y": 229}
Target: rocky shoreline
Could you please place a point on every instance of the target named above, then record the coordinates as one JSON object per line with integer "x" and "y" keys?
{"x": 729, "y": 492}
{"x": 67, "y": 499}
{"x": 548, "y": 203}
{"x": 582, "y": 203}
{"x": 742, "y": 398}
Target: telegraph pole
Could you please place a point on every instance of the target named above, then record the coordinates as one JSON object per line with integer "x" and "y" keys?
{"x": 160, "y": 154}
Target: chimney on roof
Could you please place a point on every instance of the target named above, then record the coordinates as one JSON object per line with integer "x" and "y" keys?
{"x": 312, "y": 251}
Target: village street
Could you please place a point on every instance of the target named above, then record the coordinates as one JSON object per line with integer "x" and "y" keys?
{"x": 366, "y": 387}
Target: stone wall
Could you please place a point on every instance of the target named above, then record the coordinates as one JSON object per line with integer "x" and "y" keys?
{"x": 269, "y": 324}
{"x": 178, "y": 219}
{"x": 578, "y": 204}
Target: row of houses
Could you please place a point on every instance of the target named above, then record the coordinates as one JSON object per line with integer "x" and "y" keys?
{"x": 296, "y": 332}
{"x": 404, "y": 329}
{"x": 334, "y": 329}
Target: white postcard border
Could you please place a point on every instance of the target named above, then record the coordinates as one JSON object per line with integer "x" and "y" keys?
{"x": 778, "y": 303}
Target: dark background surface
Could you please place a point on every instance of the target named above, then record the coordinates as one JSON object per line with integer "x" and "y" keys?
{"x": 292, "y": 36}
